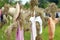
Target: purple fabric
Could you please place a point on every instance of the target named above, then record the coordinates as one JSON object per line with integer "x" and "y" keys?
{"x": 19, "y": 34}
{"x": 0, "y": 12}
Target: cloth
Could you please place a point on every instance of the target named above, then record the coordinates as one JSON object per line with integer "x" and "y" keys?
{"x": 57, "y": 16}
{"x": 1, "y": 16}
{"x": 33, "y": 27}
{"x": 38, "y": 19}
{"x": 19, "y": 34}
{"x": 51, "y": 26}
{"x": 0, "y": 12}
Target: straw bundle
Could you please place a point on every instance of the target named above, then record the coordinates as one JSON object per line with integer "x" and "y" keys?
{"x": 53, "y": 9}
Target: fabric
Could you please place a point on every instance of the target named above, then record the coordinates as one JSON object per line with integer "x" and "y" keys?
{"x": 1, "y": 16}
{"x": 38, "y": 19}
{"x": 0, "y": 12}
{"x": 19, "y": 34}
{"x": 51, "y": 28}
{"x": 57, "y": 15}
{"x": 33, "y": 27}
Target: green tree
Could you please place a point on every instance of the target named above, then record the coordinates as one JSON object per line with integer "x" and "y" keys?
{"x": 2, "y": 2}
{"x": 59, "y": 3}
{"x": 27, "y": 5}
{"x": 43, "y": 3}
{"x": 55, "y": 1}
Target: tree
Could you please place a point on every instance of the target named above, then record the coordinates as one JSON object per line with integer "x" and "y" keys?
{"x": 55, "y": 1}
{"x": 59, "y": 3}
{"x": 27, "y": 5}
{"x": 2, "y": 2}
{"x": 42, "y": 3}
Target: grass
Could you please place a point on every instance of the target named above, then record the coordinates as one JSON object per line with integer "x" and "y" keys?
{"x": 27, "y": 35}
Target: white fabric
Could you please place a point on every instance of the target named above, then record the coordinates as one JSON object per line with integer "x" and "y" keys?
{"x": 33, "y": 33}
{"x": 38, "y": 19}
{"x": 33, "y": 26}
{"x": 33, "y": 20}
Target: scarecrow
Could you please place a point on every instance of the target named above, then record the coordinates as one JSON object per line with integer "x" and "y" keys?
{"x": 17, "y": 25}
{"x": 52, "y": 20}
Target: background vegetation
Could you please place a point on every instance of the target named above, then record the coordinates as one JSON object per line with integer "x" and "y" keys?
{"x": 42, "y": 3}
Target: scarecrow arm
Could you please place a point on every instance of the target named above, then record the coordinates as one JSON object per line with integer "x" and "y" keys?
{"x": 17, "y": 11}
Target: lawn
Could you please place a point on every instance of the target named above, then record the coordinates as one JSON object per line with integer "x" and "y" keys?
{"x": 27, "y": 34}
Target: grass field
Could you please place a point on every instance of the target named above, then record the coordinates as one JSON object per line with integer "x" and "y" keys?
{"x": 27, "y": 34}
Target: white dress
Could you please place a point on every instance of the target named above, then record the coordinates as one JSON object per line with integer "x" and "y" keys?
{"x": 33, "y": 27}
{"x": 38, "y": 19}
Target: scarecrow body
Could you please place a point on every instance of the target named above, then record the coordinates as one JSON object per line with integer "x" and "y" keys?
{"x": 33, "y": 28}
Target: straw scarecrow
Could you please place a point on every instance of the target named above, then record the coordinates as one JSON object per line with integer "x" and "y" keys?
{"x": 52, "y": 21}
{"x": 53, "y": 9}
{"x": 33, "y": 19}
{"x": 17, "y": 24}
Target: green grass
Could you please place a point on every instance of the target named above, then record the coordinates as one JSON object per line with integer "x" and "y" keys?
{"x": 45, "y": 34}
{"x": 27, "y": 35}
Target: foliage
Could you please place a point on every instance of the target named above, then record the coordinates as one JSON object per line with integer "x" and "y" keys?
{"x": 59, "y": 4}
{"x": 55, "y": 1}
{"x": 27, "y": 5}
{"x": 2, "y": 2}
{"x": 43, "y": 3}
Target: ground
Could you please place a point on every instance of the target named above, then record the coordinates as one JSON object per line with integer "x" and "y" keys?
{"x": 27, "y": 34}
